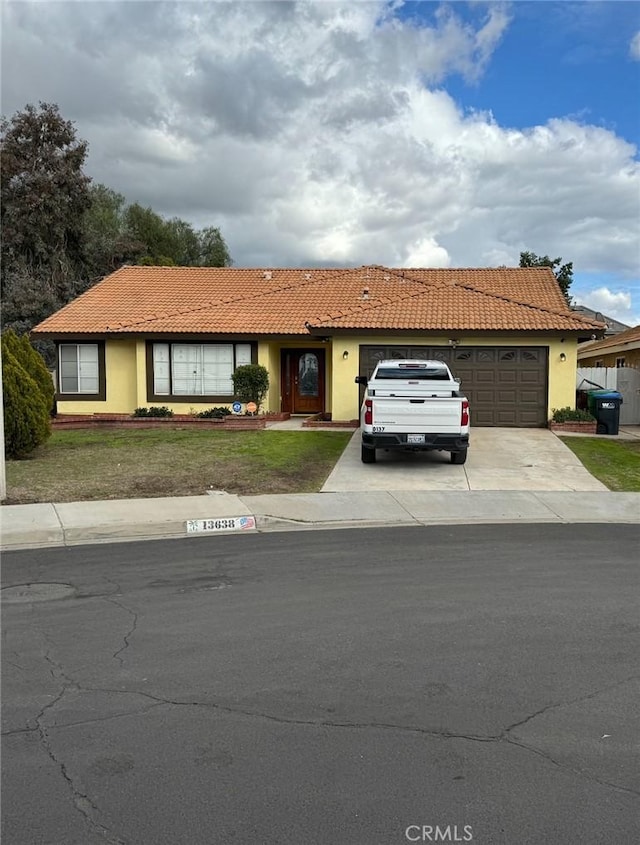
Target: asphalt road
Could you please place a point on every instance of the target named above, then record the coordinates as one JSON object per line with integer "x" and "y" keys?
{"x": 471, "y": 684}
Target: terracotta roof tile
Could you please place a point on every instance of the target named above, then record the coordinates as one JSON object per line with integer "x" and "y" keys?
{"x": 529, "y": 285}
{"x": 174, "y": 300}
{"x": 630, "y": 336}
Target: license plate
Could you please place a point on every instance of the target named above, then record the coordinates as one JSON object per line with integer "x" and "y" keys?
{"x": 415, "y": 438}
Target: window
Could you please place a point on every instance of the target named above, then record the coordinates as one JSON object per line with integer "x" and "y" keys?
{"x": 196, "y": 369}
{"x": 599, "y": 363}
{"x": 308, "y": 375}
{"x": 619, "y": 362}
{"x": 414, "y": 373}
{"x": 79, "y": 368}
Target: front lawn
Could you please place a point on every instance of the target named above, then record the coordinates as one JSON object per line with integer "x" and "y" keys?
{"x": 87, "y": 464}
{"x": 614, "y": 462}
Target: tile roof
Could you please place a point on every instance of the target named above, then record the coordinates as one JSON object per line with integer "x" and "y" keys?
{"x": 229, "y": 300}
{"x": 613, "y": 326}
{"x": 630, "y": 337}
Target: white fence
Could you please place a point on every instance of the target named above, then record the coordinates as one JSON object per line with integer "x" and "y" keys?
{"x": 625, "y": 380}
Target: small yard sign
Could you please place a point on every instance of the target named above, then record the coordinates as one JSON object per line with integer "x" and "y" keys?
{"x": 236, "y": 407}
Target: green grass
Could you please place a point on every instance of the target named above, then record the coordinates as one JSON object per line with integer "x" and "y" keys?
{"x": 614, "y": 462}
{"x": 85, "y": 464}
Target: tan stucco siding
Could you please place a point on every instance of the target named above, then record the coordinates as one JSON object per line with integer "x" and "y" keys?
{"x": 126, "y": 379}
{"x": 141, "y": 374}
{"x": 562, "y": 374}
{"x": 121, "y": 381}
{"x": 269, "y": 357}
{"x": 609, "y": 359}
{"x": 345, "y": 393}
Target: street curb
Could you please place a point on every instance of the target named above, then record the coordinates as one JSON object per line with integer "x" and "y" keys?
{"x": 43, "y": 528}
{"x": 73, "y": 524}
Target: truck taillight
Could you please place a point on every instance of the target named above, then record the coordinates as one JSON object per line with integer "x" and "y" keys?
{"x": 368, "y": 412}
{"x": 464, "y": 416}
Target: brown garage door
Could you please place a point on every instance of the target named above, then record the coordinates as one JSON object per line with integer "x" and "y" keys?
{"x": 506, "y": 386}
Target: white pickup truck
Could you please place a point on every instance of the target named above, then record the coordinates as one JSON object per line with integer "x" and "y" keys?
{"x": 414, "y": 405}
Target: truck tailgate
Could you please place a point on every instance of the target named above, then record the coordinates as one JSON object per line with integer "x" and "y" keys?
{"x": 418, "y": 415}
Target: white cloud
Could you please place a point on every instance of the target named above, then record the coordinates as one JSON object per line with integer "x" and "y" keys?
{"x": 616, "y": 304}
{"x": 634, "y": 47}
{"x": 427, "y": 253}
{"x": 323, "y": 133}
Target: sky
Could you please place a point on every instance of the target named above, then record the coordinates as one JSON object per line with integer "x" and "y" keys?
{"x": 346, "y": 133}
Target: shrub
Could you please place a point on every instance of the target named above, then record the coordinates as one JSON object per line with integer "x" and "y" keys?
{"x": 34, "y": 364}
{"x": 214, "y": 413}
{"x": 567, "y": 414}
{"x": 251, "y": 383}
{"x": 26, "y": 415}
{"x": 153, "y": 411}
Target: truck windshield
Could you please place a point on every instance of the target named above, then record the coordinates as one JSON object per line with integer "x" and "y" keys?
{"x": 414, "y": 373}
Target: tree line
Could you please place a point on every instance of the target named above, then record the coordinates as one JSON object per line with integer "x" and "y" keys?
{"x": 61, "y": 233}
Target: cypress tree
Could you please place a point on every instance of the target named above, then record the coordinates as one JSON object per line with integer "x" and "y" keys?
{"x": 34, "y": 364}
{"x": 26, "y": 414}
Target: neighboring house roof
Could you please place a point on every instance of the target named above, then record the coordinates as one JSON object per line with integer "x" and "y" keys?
{"x": 228, "y": 300}
{"x": 613, "y": 326}
{"x": 616, "y": 343}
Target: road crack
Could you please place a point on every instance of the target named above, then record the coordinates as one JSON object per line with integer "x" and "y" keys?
{"x": 567, "y": 768}
{"x": 80, "y": 800}
{"x": 501, "y": 738}
{"x": 130, "y": 632}
{"x": 569, "y": 702}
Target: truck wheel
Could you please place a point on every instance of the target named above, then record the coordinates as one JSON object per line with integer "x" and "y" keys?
{"x": 459, "y": 457}
{"x": 368, "y": 455}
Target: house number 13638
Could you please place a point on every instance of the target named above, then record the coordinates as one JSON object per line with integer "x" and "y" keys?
{"x": 212, "y": 524}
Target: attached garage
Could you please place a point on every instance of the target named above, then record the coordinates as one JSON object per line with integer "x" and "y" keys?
{"x": 506, "y": 385}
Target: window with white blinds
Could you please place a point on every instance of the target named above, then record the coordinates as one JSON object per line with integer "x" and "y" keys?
{"x": 197, "y": 369}
{"x": 78, "y": 368}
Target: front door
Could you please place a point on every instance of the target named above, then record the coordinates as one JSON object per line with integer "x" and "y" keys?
{"x": 302, "y": 380}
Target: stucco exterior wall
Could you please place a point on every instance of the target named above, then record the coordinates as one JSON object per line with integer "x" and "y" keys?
{"x": 269, "y": 357}
{"x": 562, "y": 374}
{"x": 126, "y": 386}
{"x": 121, "y": 383}
{"x": 631, "y": 358}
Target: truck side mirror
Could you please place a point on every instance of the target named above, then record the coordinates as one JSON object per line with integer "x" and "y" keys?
{"x": 457, "y": 380}
{"x": 361, "y": 380}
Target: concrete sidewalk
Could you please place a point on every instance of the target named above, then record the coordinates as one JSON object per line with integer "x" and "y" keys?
{"x": 73, "y": 523}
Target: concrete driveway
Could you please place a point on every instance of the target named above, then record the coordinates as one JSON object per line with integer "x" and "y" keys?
{"x": 499, "y": 459}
